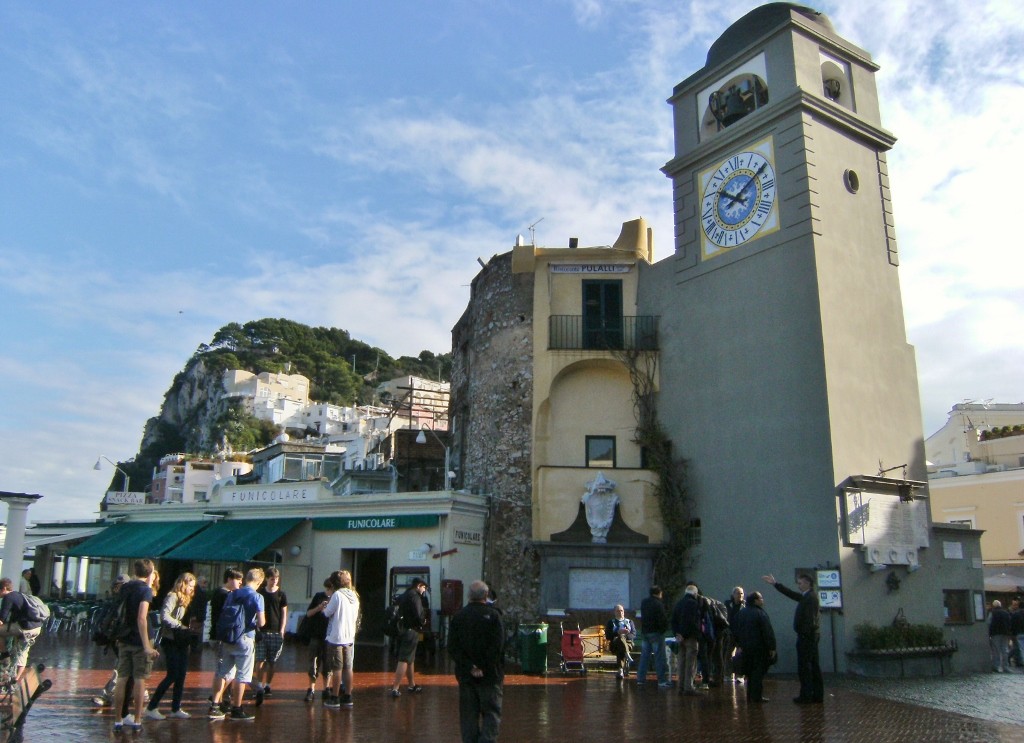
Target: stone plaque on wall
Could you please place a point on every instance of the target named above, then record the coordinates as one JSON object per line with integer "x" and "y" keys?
{"x": 596, "y": 588}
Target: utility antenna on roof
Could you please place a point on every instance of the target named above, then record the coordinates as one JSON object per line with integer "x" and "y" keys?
{"x": 533, "y": 232}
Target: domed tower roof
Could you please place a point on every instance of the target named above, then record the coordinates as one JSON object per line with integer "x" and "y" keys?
{"x": 755, "y": 23}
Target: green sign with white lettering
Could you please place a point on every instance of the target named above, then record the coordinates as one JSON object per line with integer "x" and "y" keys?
{"x": 365, "y": 523}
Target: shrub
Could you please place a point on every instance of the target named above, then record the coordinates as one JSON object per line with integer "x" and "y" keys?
{"x": 871, "y": 637}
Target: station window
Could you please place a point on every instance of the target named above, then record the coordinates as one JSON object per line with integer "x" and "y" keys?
{"x": 601, "y": 451}
{"x": 957, "y": 606}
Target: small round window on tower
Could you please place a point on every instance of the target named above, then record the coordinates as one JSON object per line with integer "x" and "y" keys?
{"x": 852, "y": 181}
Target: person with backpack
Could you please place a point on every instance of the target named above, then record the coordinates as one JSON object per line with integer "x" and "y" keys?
{"x": 342, "y": 613}
{"x": 413, "y": 619}
{"x": 135, "y": 652}
{"x": 232, "y": 582}
{"x": 242, "y": 614}
{"x": 104, "y": 618}
{"x": 21, "y": 621}
{"x": 316, "y": 628}
{"x": 176, "y": 640}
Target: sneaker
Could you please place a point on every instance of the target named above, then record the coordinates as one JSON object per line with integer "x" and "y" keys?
{"x": 129, "y": 723}
{"x": 179, "y": 715}
{"x": 309, "y": 695}
{"x": 346, "y": 701}
{"x": 153, "y": 714}
{"x": 259, "y": 696}
{"x": 266, "y": 690}
{"x": 415, "y": 689}
{"x": 216, "y": 713}
{"x": 240, "y": 715}
{"x": 100, "y": 701}
{"x": 333, "y": 703}
{"x": 665, "y": 685}
{"x": 395, "y": 693}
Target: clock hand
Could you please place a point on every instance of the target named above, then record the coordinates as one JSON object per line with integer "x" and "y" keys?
{"x": 753, "y": 178}
{"x": 732, "y": 199}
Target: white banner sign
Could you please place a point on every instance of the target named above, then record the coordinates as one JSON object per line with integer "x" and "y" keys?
{"x": 121, "y": 498}
{"x": 268, "y": 495}
{"x": 590, "y": 268}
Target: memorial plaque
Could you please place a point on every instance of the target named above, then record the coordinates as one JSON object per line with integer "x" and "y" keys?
{"x": 883, "y": 519}
{"x": 598, "y": 588}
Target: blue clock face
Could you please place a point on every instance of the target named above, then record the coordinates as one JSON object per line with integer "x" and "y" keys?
{"x": 738, "y": 199}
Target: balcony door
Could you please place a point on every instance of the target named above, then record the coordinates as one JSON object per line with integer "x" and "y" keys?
{"x": 602, "y": 314}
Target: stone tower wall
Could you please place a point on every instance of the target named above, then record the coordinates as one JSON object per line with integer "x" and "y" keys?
{"x": 491, "y": 404}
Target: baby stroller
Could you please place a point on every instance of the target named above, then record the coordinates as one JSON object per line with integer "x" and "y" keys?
{"x": 571, "y": 651}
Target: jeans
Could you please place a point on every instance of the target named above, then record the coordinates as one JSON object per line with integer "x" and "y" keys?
{"x": 652, "y": 642}
{"x": 479, "y": 712}
{"x": 176, "y": 658}
{"x": 1000, "y": 645}
{"x": 686, "y": 673}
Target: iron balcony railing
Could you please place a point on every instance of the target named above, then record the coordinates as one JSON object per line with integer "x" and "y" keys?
{"x": 570, "y": 332}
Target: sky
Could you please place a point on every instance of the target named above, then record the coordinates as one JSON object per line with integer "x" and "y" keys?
{"x": 168, "y": 168}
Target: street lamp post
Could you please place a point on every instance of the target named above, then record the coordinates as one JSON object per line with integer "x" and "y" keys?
{"x": 98, "y": 466}
{"x": 421, "y": 438}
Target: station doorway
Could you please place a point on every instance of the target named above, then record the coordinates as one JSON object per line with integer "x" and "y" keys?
{"x": 369, "y": 568}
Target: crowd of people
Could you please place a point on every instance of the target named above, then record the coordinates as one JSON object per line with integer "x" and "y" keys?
{"x": 1006, "y": 635}
{"x": 719, "y": 642}
{"x": 248, "y": 619}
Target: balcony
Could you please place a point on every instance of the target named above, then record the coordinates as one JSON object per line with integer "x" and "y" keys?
{"x": 570, "y": 332}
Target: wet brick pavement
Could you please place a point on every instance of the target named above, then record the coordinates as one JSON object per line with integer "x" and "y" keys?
{"x": 552, "y": 708}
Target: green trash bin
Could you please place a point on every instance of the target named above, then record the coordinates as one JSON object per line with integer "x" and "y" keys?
{"x": 533, "y": 648}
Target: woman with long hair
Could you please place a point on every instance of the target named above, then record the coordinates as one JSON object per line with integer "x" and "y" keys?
{"x": 175, "y": 641}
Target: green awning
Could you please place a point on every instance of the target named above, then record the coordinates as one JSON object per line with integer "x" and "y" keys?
{"x": 138, "y": 539}
{"x": 233, "y": 540}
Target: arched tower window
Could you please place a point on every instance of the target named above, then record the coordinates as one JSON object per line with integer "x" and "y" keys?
{"x": 740, "y": 96}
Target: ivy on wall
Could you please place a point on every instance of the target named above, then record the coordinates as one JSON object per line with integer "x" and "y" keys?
{"x": 672, "y": 560}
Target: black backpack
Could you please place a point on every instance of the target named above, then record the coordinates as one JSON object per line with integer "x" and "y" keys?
{"x": 719, "y": 614}
{"x": 110, "y": 624}
{"x": 393, "y": 625}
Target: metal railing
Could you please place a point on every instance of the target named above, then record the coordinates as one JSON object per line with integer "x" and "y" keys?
{"x": 570, "y": 332}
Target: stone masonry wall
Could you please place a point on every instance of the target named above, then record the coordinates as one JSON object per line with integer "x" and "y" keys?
{"x": 491, "y": 408}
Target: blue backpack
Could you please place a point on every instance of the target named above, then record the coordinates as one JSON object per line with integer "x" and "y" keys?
{"x": 231, "y": 622}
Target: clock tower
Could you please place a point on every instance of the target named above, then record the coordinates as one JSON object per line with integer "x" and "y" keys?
{"x": 786, "y": 380}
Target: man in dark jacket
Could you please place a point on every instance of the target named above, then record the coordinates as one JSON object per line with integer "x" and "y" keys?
{"x": 733, "y": 605}
{"x": 805, "y": 624}
{"x": 414, "y": 619}
{"x": 686, "y": 626}
{"x": 756, "y": 640}
{"x": 476, "y": 645}
{"x": 999, "y": 631}
{"x": 653, "y": 626}
{"x": 1017, "y": 628}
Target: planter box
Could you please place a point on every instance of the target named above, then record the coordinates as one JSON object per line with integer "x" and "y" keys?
{"x": 919, "y": 661}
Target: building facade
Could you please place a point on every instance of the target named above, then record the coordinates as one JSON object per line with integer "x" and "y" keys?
{"x": 781, "y": 371}
{"x": 976, "y": 478}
